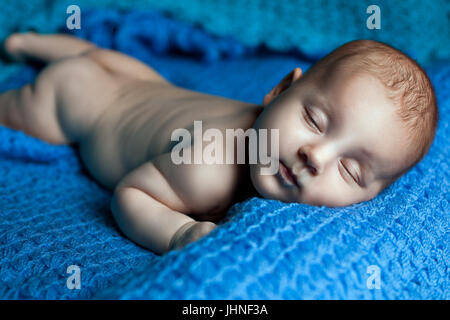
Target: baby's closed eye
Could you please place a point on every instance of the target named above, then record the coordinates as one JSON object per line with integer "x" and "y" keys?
{"x": 351, "y": 171}
{"x": 315, "y": 118}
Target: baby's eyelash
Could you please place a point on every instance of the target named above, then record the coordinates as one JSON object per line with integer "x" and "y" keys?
{"x": 310, "y": 119}
{"x": 350, "y": 174}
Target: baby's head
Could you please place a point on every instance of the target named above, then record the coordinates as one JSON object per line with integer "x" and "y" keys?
{"x": 353, "y": 124}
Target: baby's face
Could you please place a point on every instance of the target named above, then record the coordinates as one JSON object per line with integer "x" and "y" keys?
{"x": 340, "y": 140}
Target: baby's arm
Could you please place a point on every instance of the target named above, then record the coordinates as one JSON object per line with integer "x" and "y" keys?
{"x": 151, "y": 213}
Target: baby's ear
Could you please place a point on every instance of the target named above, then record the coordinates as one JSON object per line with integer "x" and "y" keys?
{"x": 287, "y": 81}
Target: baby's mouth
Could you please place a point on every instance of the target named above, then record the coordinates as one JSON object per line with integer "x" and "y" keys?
{"x": 287, "y": 176}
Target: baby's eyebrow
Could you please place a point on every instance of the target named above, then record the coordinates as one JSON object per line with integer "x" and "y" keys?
{"x": 371, "y": 160}
{"x": 367, "y": 153}
{"x": 370, "y": 156}
{"x": 322, "y": 102}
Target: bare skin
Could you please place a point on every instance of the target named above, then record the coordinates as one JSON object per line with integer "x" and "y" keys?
{"x": 121, "y": 114}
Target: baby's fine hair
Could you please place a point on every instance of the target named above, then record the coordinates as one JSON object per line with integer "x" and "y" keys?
{"x": 407, "y": 83}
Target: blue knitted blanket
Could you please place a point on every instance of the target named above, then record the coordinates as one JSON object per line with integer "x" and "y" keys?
{"x": 53, "y": 215}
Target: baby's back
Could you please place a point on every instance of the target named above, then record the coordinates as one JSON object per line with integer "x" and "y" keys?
{"x": 137, "y": 125}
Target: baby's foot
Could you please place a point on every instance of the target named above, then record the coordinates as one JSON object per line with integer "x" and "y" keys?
{"x": 190, "y": 232}
{"x": 14, "y": 46}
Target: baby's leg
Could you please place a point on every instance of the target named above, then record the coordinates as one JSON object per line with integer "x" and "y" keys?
{"x": 45, "y": 48}
{"x": 48, "y": 48}
{"x": 31, "y": 109}
{"x": 62, "y": 105}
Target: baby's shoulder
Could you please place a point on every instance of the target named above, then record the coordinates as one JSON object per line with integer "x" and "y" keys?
{"x": 202, "y": 187}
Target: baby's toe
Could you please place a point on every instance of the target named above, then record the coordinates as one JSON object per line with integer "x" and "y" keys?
{"x": 14, "y": 46}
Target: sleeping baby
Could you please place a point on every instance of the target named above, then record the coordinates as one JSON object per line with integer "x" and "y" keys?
{"x": 346, "y": 129}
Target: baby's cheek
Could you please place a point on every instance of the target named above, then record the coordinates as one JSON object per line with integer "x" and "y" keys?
{"x": 328, "y": 191}
{"x": 266, "y": 185}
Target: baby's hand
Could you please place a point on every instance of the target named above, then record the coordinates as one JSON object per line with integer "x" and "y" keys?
{"x": 190, "y": 232}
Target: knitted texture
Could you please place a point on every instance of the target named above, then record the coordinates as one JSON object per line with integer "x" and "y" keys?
{"x": 53, "y": 215}
{"x": 420, "y": 28}
{"x": 309, "y": 28}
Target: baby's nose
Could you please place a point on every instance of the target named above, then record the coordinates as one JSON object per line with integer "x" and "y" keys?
{"x": 307, "y": 159}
